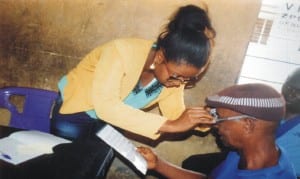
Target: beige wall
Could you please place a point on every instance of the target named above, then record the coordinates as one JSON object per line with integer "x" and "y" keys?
{"x": 40, "y": 40}
{"x": 48, "y": 37}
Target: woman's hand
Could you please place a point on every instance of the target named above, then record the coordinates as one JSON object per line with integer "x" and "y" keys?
{"x": 188, "y": 120}
{"x": 149, "y": 156}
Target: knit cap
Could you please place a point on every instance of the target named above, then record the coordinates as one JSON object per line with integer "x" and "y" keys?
{"x": 257, "y": 100}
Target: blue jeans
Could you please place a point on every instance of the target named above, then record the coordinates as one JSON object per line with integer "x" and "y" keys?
{"x": 73, "y": 126}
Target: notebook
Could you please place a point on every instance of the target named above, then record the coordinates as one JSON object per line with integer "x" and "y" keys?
{"x": 21, "y": 146}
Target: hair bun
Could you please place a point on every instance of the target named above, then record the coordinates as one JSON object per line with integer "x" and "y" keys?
{"x": 189, "y": 18}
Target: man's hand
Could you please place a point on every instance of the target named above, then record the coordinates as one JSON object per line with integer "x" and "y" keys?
{"x": 149, "y": 156}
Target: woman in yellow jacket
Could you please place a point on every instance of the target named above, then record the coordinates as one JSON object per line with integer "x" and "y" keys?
{"x": 118, "y": 80}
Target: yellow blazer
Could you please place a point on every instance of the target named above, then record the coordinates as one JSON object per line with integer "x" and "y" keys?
{"x": 106, "y": 76}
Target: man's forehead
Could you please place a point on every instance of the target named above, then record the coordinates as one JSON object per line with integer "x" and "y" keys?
{"x": 226, "y": 111}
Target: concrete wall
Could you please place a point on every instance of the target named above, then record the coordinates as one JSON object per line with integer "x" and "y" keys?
{"x": 49, "y": 37}
{"x": 40, "y": 40}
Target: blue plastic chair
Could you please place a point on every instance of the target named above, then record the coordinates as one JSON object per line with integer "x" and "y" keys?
{"x": 36, "y": 109}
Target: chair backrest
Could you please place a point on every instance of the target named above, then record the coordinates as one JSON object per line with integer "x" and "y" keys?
{"x": 36, "y": 109}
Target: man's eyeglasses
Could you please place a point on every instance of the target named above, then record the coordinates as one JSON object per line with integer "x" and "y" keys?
{"x": 215, "y": 115}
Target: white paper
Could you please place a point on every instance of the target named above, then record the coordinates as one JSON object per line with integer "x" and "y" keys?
{"x": 24, "y": 145}
{"x": 123, "y": 146}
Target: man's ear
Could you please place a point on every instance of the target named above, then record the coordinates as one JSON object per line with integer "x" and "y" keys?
{"x": 249, "y": 125}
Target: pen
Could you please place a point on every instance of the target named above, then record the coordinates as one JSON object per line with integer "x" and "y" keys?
{"x": 4, "y": 155}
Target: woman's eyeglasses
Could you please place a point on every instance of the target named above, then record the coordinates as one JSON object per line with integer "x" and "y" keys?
{"x": 189, "y": 82}
{"x": 215, "y": 115}
{"x": 183, "y": 80}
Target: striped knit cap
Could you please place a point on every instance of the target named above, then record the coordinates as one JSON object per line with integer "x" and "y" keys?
{"x": 256, "y": 100}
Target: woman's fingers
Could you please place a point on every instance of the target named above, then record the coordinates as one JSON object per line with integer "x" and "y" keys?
{"x": 199, "y": 115}
{"x": 188, "y": 120}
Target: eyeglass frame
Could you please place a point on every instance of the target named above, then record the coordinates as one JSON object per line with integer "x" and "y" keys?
{"x": 183, "y": 80}
{"x": 215, "y": 115}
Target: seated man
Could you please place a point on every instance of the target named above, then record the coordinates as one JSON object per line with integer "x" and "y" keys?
{"x": 287, "y": 134}
{"x": 246, "y": 117}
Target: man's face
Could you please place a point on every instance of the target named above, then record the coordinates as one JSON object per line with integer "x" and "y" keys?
{"x": 230, "y": 131}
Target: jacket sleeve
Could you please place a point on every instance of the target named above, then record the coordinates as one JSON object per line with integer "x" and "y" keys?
{"x": 107, "y": 100}
{"x": 172, "y": 105}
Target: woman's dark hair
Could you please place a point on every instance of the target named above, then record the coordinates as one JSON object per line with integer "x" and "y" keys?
{"x": 185, "y": 39}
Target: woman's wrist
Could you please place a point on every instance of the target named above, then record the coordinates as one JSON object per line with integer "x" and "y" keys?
{"x": 168, "y": 126}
